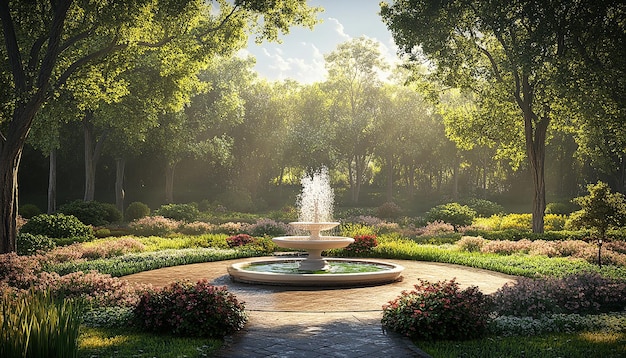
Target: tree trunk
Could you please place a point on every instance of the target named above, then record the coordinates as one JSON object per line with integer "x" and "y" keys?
{"x": 390, "y": 179}
{"x": 120, "y": 165}
{"x": 169, "y": 182}
{"x": 93, "y": 150}
{"x": 455, "y": 179}
{"x": 535, "y": 135}
{"x": 52, "y": 182}
{"x": 9, "y": 164}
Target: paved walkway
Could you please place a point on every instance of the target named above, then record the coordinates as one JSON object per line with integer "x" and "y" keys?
{"x": 301, "y": 322}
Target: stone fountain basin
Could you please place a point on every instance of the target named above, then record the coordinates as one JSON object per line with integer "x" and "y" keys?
{"x": 306, "y": 243}
{"x": 314, "y": 226}
{"x": 238, "y": 273}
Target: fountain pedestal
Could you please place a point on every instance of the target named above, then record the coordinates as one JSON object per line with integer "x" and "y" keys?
{"x": 313, "y": 244}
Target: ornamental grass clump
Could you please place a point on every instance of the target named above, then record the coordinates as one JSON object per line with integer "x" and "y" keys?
{"x": 35, "y": 324}
{"x": 191, "y": 309}
{"x": 438, "y": 310}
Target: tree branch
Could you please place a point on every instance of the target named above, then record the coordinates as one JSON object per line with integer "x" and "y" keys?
{"x": 13, "y": 49}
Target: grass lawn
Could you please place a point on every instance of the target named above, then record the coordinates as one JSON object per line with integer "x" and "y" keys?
{"x": 574, "y": 345}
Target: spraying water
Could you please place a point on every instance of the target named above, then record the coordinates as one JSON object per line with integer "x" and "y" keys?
{"x": 316, "y": 199}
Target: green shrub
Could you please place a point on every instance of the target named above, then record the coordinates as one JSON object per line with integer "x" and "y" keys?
{"x": 29, "y": 210}
{"x": 36, "y": 325}
{"x": 180, "y": 212}
{"x": 522, "y": 222}
{"x": 29, "y": 244}
{"x": 471, "y": 243}
{"x": 452, "y": 213}
{"x": 438, "y": 310}
{"x": 237, "y": 200}
{"x": 484, "y": 208}
{"x": 389, "y": 210}
{"x": 268, "y": 227}
{"x": 92, "y": 212}
{"x": 554, "y": 222}
{"x": 559, "y": 208}
{"x": 136, "y": 210}
{"x": 188, "y": 309}
{"x": 58, "y": 226}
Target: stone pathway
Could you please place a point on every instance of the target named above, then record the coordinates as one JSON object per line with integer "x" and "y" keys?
{"x": 303, "y": 322}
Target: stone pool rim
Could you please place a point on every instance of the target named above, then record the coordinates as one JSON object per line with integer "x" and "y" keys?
{"x": 239, "y": 274}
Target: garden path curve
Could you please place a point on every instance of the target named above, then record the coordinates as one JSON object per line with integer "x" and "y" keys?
{"x": 302, "y": 322}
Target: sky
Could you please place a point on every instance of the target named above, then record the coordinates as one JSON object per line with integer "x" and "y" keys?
{"x": 300, "y": 56}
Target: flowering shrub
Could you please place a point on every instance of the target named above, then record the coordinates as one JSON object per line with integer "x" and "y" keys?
{"x": 438, "y": 310}
{"x": 239, "y": 240}
{"x": 110, "y": 248}
{"x": 389, "y": 210}
{"x": 188, "y": 309}
{"x": 268, "y": 227}
{"x": 471, "y": 243}
{"x": 517, "y": 222}
{"x": 154, "y": 225}
{"x": 580, "y": 293}
{"x": 231, "y": 228}
{"x": 18, "y": 271}
{"x": 196, "y": 228}
{"x": 362, "y": 244}
{"x": 506, "y": 247}
{"x": 437, "y": 228}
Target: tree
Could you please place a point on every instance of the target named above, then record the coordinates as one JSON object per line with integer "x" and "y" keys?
{"x": 46, "y": 43}
{"x": 354, "y": 84}
{"x": 600, "y": 210}
{"x": 516, "y": 45}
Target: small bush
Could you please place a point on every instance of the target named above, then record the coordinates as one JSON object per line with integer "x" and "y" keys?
{"x": 179, "y": 212}
{"x": 554, "y": 222}
{"x": 362, "y": 244}
{"x": 153, "y": 226}
{"x": 558, "y": 208}
{"x": 58, "y": 226}
{"x": 188, "y": 309}
{"x": 523, "y": 222}
{"x": 485, "y": 208}
{"x": 29, "y": 244}
{"x": 268, "y": 227}
{"x": 196, "y": 228}
{"x": 452, "y": 213}
{"x": 239, "y": 240}
{"x": 580, "y": 293}
{"x": 29, "y": 210}
{"x": 136, "y": 210}
{"x": 389, "y": 210}
{"x": 92, "y": 212}
{"x": 438, "y": 310}
{"x": 471, "y": 243}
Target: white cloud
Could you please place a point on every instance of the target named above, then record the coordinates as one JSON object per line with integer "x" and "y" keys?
{"x": 338, "y": 28}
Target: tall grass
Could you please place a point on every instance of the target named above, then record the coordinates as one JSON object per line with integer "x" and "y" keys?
{"x": 34, "y": 324}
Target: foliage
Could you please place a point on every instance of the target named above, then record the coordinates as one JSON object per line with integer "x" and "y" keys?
{"x": 108, "y": 316}
{"x": 452, "y": 213}
{"x": 484, "y": 208}
{"x": 581, "y": 293}
{"x": 362, "y": 244}
{"x": 600, "y": 209}
{"x": 34, "y": 324}
{"x": 154, "y": 225}
{"x": 438, "y": 310}
{"x": 522, "y": 222}
{"x": 389, "y": 210}
{"x": 557, "y": 323}
{"x": 239, "y": 240}
{"x": 268, "y": 227}
{"x": 58, "y": 226}
{"x": 27, "y": 211}
{"x": 29, "y": 244}
{"x": 471, "y": 243}
{"x": 353, "y": 229}
{"x": 196, "y": 228}
{"x": 558, "y": 208}
{"x": 92, "y": 212}
{"x": 187, "y": 309}
{"x": 136, "y": 210}
{"x": 178, "y": 212}
{"x": 131, "y": 342}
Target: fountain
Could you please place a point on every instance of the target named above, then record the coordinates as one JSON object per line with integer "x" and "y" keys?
{"x": 315, "y": 215}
